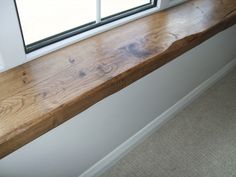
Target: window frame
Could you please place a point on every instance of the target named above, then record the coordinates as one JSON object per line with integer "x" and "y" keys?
{"x": 11, "y": 57}
{"x": 83, "y": 28}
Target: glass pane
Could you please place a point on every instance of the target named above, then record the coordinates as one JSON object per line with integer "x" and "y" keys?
{"x": 111, "y": 7}
{"x": 44, "y": 18}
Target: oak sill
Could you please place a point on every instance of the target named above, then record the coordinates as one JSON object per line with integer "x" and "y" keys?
{"x": 40, "y": 95}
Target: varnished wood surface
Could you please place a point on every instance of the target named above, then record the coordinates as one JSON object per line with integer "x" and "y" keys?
{"x": 44, "y": 93}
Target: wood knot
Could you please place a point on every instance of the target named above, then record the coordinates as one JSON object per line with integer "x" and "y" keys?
{"x": 104, "y": 68}
{"x": 72, "y": 60}
{"x": 25, "y": 80}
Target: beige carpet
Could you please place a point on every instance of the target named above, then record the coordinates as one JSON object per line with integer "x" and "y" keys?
{"x": 199, "y": 142}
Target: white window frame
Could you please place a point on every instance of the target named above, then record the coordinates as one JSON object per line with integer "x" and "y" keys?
{"x": 12, "y": 49}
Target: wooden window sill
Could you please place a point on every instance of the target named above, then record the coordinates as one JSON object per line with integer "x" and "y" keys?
{"x": 40, "y": 95}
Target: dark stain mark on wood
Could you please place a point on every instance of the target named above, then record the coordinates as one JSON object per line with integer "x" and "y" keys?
{"x": 25, "y": 80}
{"x": 44, "y": 94}
{"x": 82, "y": 74}
{"x": 72, "y": 60}
{"x": 137, "y": 50}
{"x": 197, "y": 7}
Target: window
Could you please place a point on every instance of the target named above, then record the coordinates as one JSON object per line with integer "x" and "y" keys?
{"x": 44, "y": 22}
{"x": 41, "y": 19}
{"x": 111, "y": 7}
{"x": 33, "y": 28}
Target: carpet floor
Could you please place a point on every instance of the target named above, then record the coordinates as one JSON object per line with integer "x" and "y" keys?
{"x": 199, "y": 142}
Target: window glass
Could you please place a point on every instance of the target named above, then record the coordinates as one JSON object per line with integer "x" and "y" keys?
{"x": 111, "y": 7}
{"x": 44, "y": 18}
{"x": 44, "y": 22}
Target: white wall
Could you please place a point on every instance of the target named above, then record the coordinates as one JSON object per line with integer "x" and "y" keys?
{"x": 70, "y": 149}
{"x": 11, "y": 45}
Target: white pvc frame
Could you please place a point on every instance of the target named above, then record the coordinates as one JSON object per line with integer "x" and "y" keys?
{"x": 12, "y": 52}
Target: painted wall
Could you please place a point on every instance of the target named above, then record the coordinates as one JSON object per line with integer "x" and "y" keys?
{"x": 10, "y": 35}
{"x": 72, "y": 148}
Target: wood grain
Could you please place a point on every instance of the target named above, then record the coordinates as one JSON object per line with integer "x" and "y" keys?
{"x": 42, "y": 94}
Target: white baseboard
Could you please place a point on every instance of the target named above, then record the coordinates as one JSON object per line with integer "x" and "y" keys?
{"x": 109, "y": 160}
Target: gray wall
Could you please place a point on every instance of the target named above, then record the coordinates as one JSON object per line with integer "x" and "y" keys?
{"x": 70, "y": 149}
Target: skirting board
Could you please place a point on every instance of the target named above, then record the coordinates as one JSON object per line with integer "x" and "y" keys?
{"x": 108, "y": 161}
